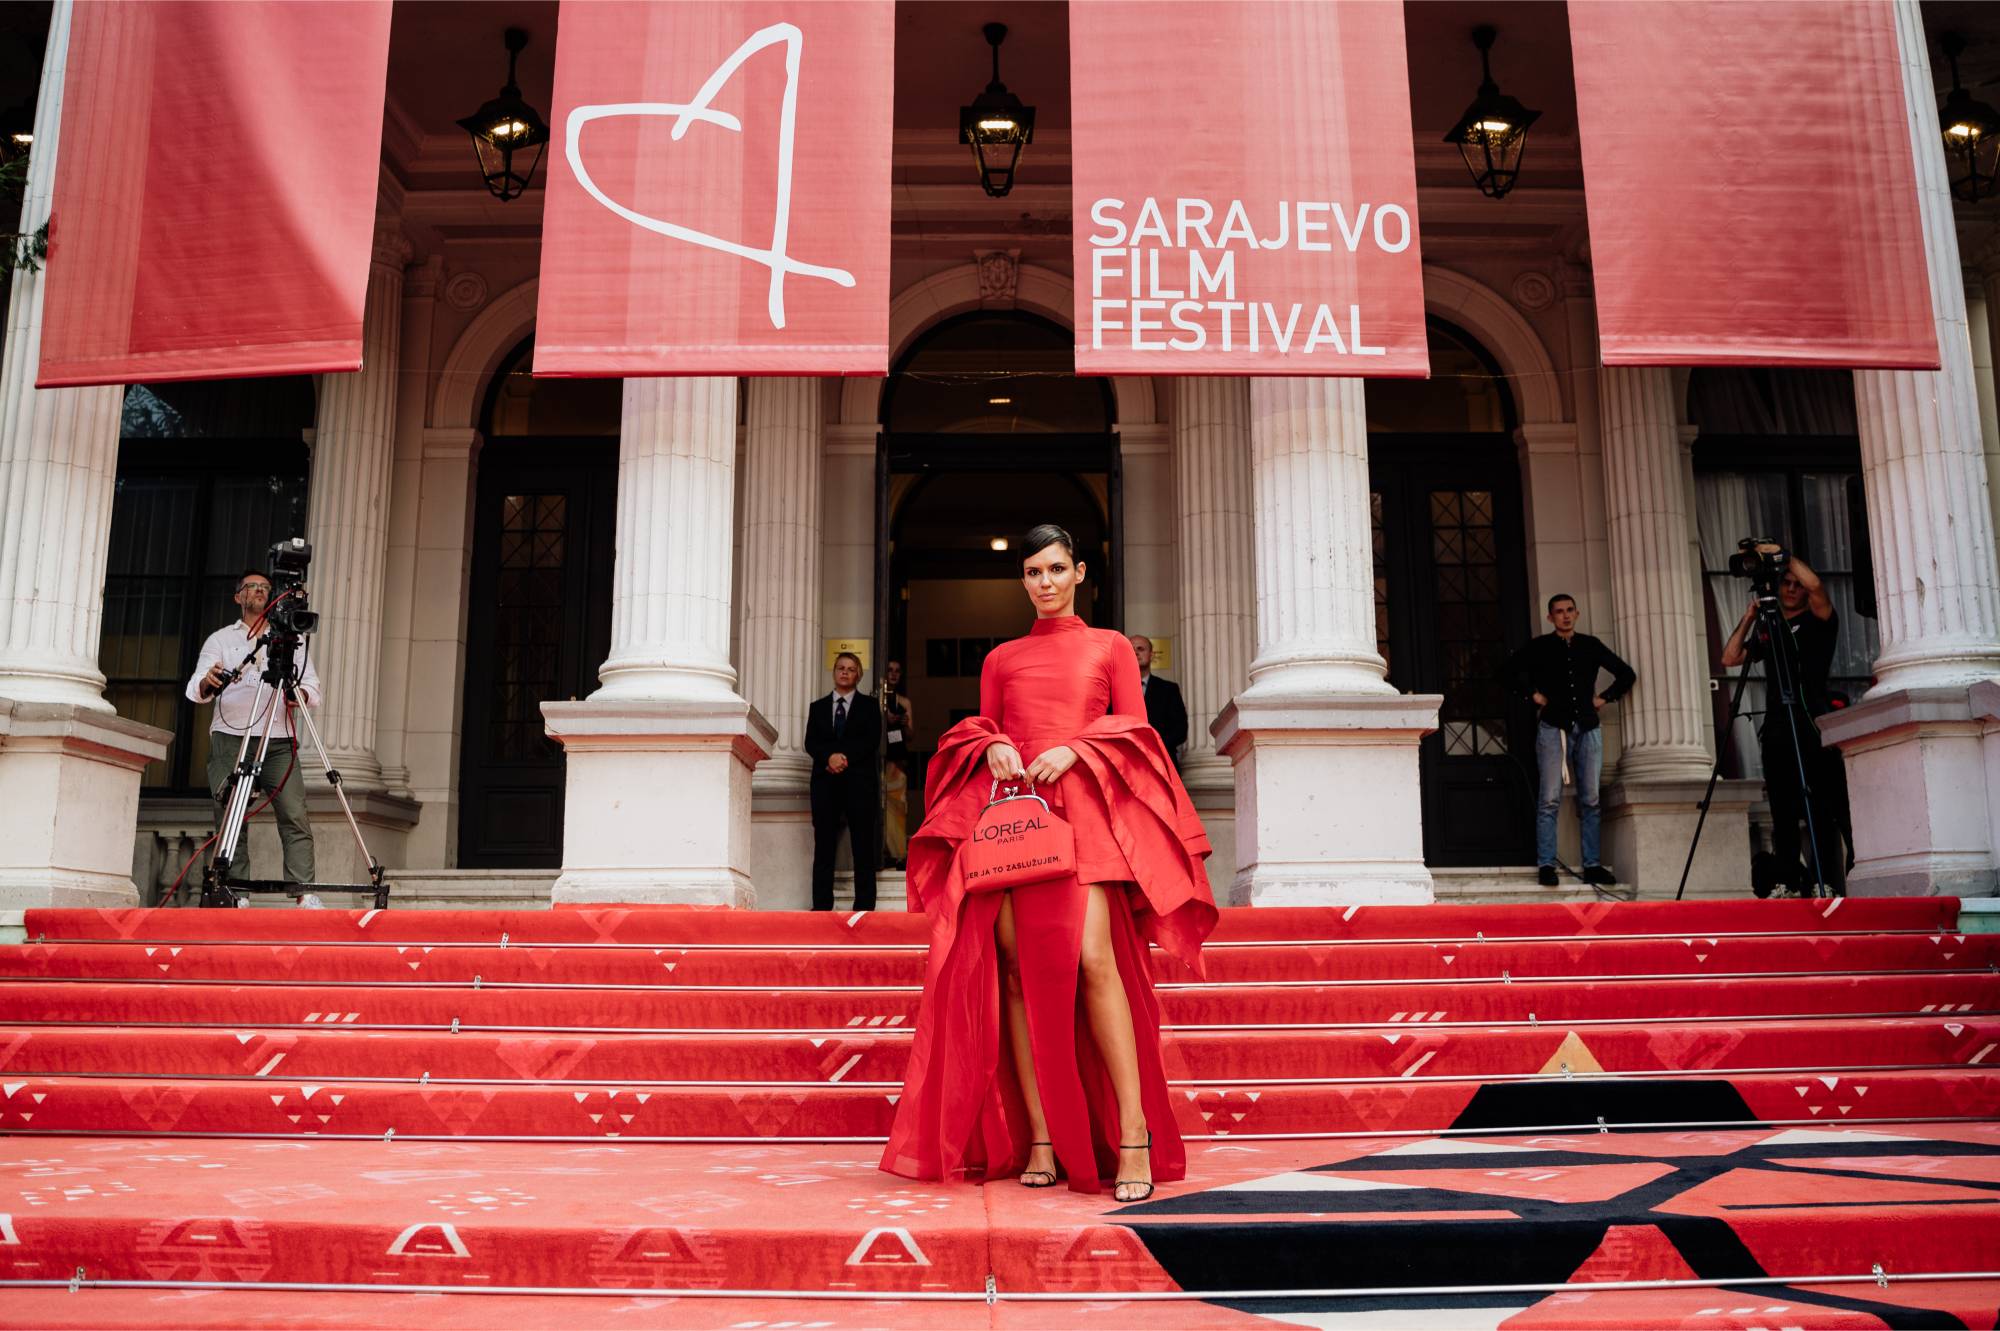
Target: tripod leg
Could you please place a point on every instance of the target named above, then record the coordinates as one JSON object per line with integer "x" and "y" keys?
{"x": 340, "y": 792}
{"x": 1714, "y": 775}
{"x": 242, "y": 788}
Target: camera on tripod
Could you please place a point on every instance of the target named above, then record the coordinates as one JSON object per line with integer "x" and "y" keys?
{"x": 286, "y": 623}
{"x": 1763, "y": 561}
{"x": 289, "y": 560}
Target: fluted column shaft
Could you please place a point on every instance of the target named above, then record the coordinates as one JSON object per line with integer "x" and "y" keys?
{"x": 1929, "y": 517}
{"x": 1315, "y": 561}
{"x": 1648, "y": 478}
{"x": 1218, "y": 592}
{"x": 58, "y": 469}
{"x": 353, "y": 456}
{"x": 670, "y": 593}
{"x": 781, "y": 534}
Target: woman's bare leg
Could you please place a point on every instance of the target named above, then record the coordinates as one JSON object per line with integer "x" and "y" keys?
{"x": 1041, "y": 1159}
{"x": 1110, "y": 1016}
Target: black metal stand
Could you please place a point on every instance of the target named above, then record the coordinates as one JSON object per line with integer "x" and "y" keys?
{"x": 1782, "y": 675}
{"x": 277, "y": 688}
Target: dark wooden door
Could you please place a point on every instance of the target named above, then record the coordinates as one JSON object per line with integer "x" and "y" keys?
{"x": 1451, "y": 604}
{"x": 539, "y": 627}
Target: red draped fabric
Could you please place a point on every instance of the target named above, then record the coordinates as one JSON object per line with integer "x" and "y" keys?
{"x": 961, "y": 1113}
{"x": 1748, "y": 173}
{"x": 215, "y": 190}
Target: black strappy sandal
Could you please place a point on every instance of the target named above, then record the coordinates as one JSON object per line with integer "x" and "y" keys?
{"x": 1048, "y": 1174}
{"x": 1133, "y": 1182}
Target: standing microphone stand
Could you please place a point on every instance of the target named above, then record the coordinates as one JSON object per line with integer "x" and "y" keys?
{"x": 277, "y": 688}
{"x": 1776, "y": 636}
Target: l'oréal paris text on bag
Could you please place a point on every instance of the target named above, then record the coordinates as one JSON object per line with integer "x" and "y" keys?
{"x": 1016, "y": 841}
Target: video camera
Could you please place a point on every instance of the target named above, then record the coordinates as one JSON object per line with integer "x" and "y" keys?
{"x": 288, "y": 615}
{"x": 1764, "y": 569}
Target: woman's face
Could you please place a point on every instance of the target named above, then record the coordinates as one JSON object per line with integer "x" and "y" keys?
{"x": 1051, "y": 576}
{"x": 892, "y": 673}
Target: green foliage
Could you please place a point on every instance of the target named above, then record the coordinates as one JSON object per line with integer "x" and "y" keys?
{"x": 20, "y": 250}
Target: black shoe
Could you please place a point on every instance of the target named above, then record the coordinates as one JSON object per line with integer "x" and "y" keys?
{"x": 1546, "y": 876}
{"x": 1599, "y": 876}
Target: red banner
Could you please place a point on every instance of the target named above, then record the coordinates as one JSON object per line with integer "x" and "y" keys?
{"x": 215, "y": 190}
{"x": 1751, "y": 193}
{"x": 718, "y": 197}
{"x": 1245, "y": 190}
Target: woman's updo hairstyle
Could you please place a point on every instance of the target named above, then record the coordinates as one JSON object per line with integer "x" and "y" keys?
{"x": 1042, "y": 537}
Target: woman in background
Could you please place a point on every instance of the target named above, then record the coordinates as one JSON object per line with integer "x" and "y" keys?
{"x": 898, "y": 721}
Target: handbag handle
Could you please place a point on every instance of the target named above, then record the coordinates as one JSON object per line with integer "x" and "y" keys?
{"x": 994, "y": 796}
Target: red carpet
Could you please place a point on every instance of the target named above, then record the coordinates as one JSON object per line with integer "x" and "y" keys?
{"x": 194, "y": 1096}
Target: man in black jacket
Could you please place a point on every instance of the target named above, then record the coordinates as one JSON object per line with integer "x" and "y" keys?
{"x": 1165, "y": 712}
{"x": 1558, "y": 673}
{"x": 844, "y": 741}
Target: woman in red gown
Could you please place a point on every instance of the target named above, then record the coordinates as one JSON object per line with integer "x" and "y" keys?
{"x": 1037, "y": 1048}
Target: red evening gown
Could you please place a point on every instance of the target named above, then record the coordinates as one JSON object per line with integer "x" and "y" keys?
{"x": 961, "y": 1112}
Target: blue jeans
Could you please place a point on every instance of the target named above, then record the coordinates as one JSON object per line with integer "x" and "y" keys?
{"x": 1586, "y": 765}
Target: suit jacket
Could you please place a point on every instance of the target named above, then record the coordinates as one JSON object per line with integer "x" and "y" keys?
{"x": 1166, "y": 713}
{"x": 860, "y": 740}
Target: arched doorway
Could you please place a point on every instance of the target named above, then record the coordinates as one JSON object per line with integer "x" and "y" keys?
{"x": 210, "y": 475}
{"x": 539, "y": 623}
{"x": 1451, "y": 592}
{"x": 987, "y": 431}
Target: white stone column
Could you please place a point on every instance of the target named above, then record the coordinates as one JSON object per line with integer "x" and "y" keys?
{"x": 58, "y": 468}
{"x": 1915, "y": 771}
{"x": 352, "y": 456}
{"x": 657, "y": 804}
{"x": 1328, "y": 795}
{"x": 1651, "y": 808}
{"x": 1218, "y": 586}
{"x": 1984, "y": 326}
{"x": 1217, "y": 592}
{"x": 1656, "y": 594}
{"x": 69, "y": 769}
{"x": 779, "y": 654}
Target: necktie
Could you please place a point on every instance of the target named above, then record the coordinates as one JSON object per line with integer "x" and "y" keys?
{"x": 839, "y": 716}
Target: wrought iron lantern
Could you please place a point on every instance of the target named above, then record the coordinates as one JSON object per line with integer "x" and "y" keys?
{"x": 1971, "y": 134}
{"x": 1494, "y": 129}
{"x": 997, "y": 125}
{"x": 505, "y": 127}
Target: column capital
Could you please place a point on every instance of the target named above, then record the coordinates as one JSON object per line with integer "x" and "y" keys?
{"x": 390, "y": 248}
{"x": 424, "y": 279}
{"x": 840, "y": 438}
{"x": 1546, "y": 437}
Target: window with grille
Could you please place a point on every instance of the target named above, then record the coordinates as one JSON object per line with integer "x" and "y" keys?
{"x": 187, "y": 518}
{"x": 1471, "y": 629}
{"x": 528, "y": 624}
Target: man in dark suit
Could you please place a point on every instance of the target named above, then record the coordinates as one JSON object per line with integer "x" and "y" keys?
{"x": 844, "y": 741}
{"x": 1165, "y": 711}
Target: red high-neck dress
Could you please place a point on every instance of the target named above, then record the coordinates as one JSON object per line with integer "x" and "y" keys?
{"x": 960, "y": 1114}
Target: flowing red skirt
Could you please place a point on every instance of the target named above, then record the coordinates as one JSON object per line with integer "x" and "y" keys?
{"x": 961, "y": 1114}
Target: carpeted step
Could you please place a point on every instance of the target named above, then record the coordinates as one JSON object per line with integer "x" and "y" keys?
{"x": 284, "y": 1107}
{"x": 669, "y": 1007}
{"x": 664, "y": 925}
{"x": 853, "y": 965}
{"x": 1843, "y": 1306}
{"x": 1420, "y": 1212}
{"x": 861, "y": 1057}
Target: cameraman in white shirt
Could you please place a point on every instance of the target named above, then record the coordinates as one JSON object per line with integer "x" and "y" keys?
{"x": 239, "y": 719}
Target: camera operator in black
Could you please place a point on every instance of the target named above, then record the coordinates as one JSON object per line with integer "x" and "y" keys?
{"x": 1815, "y": 627}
